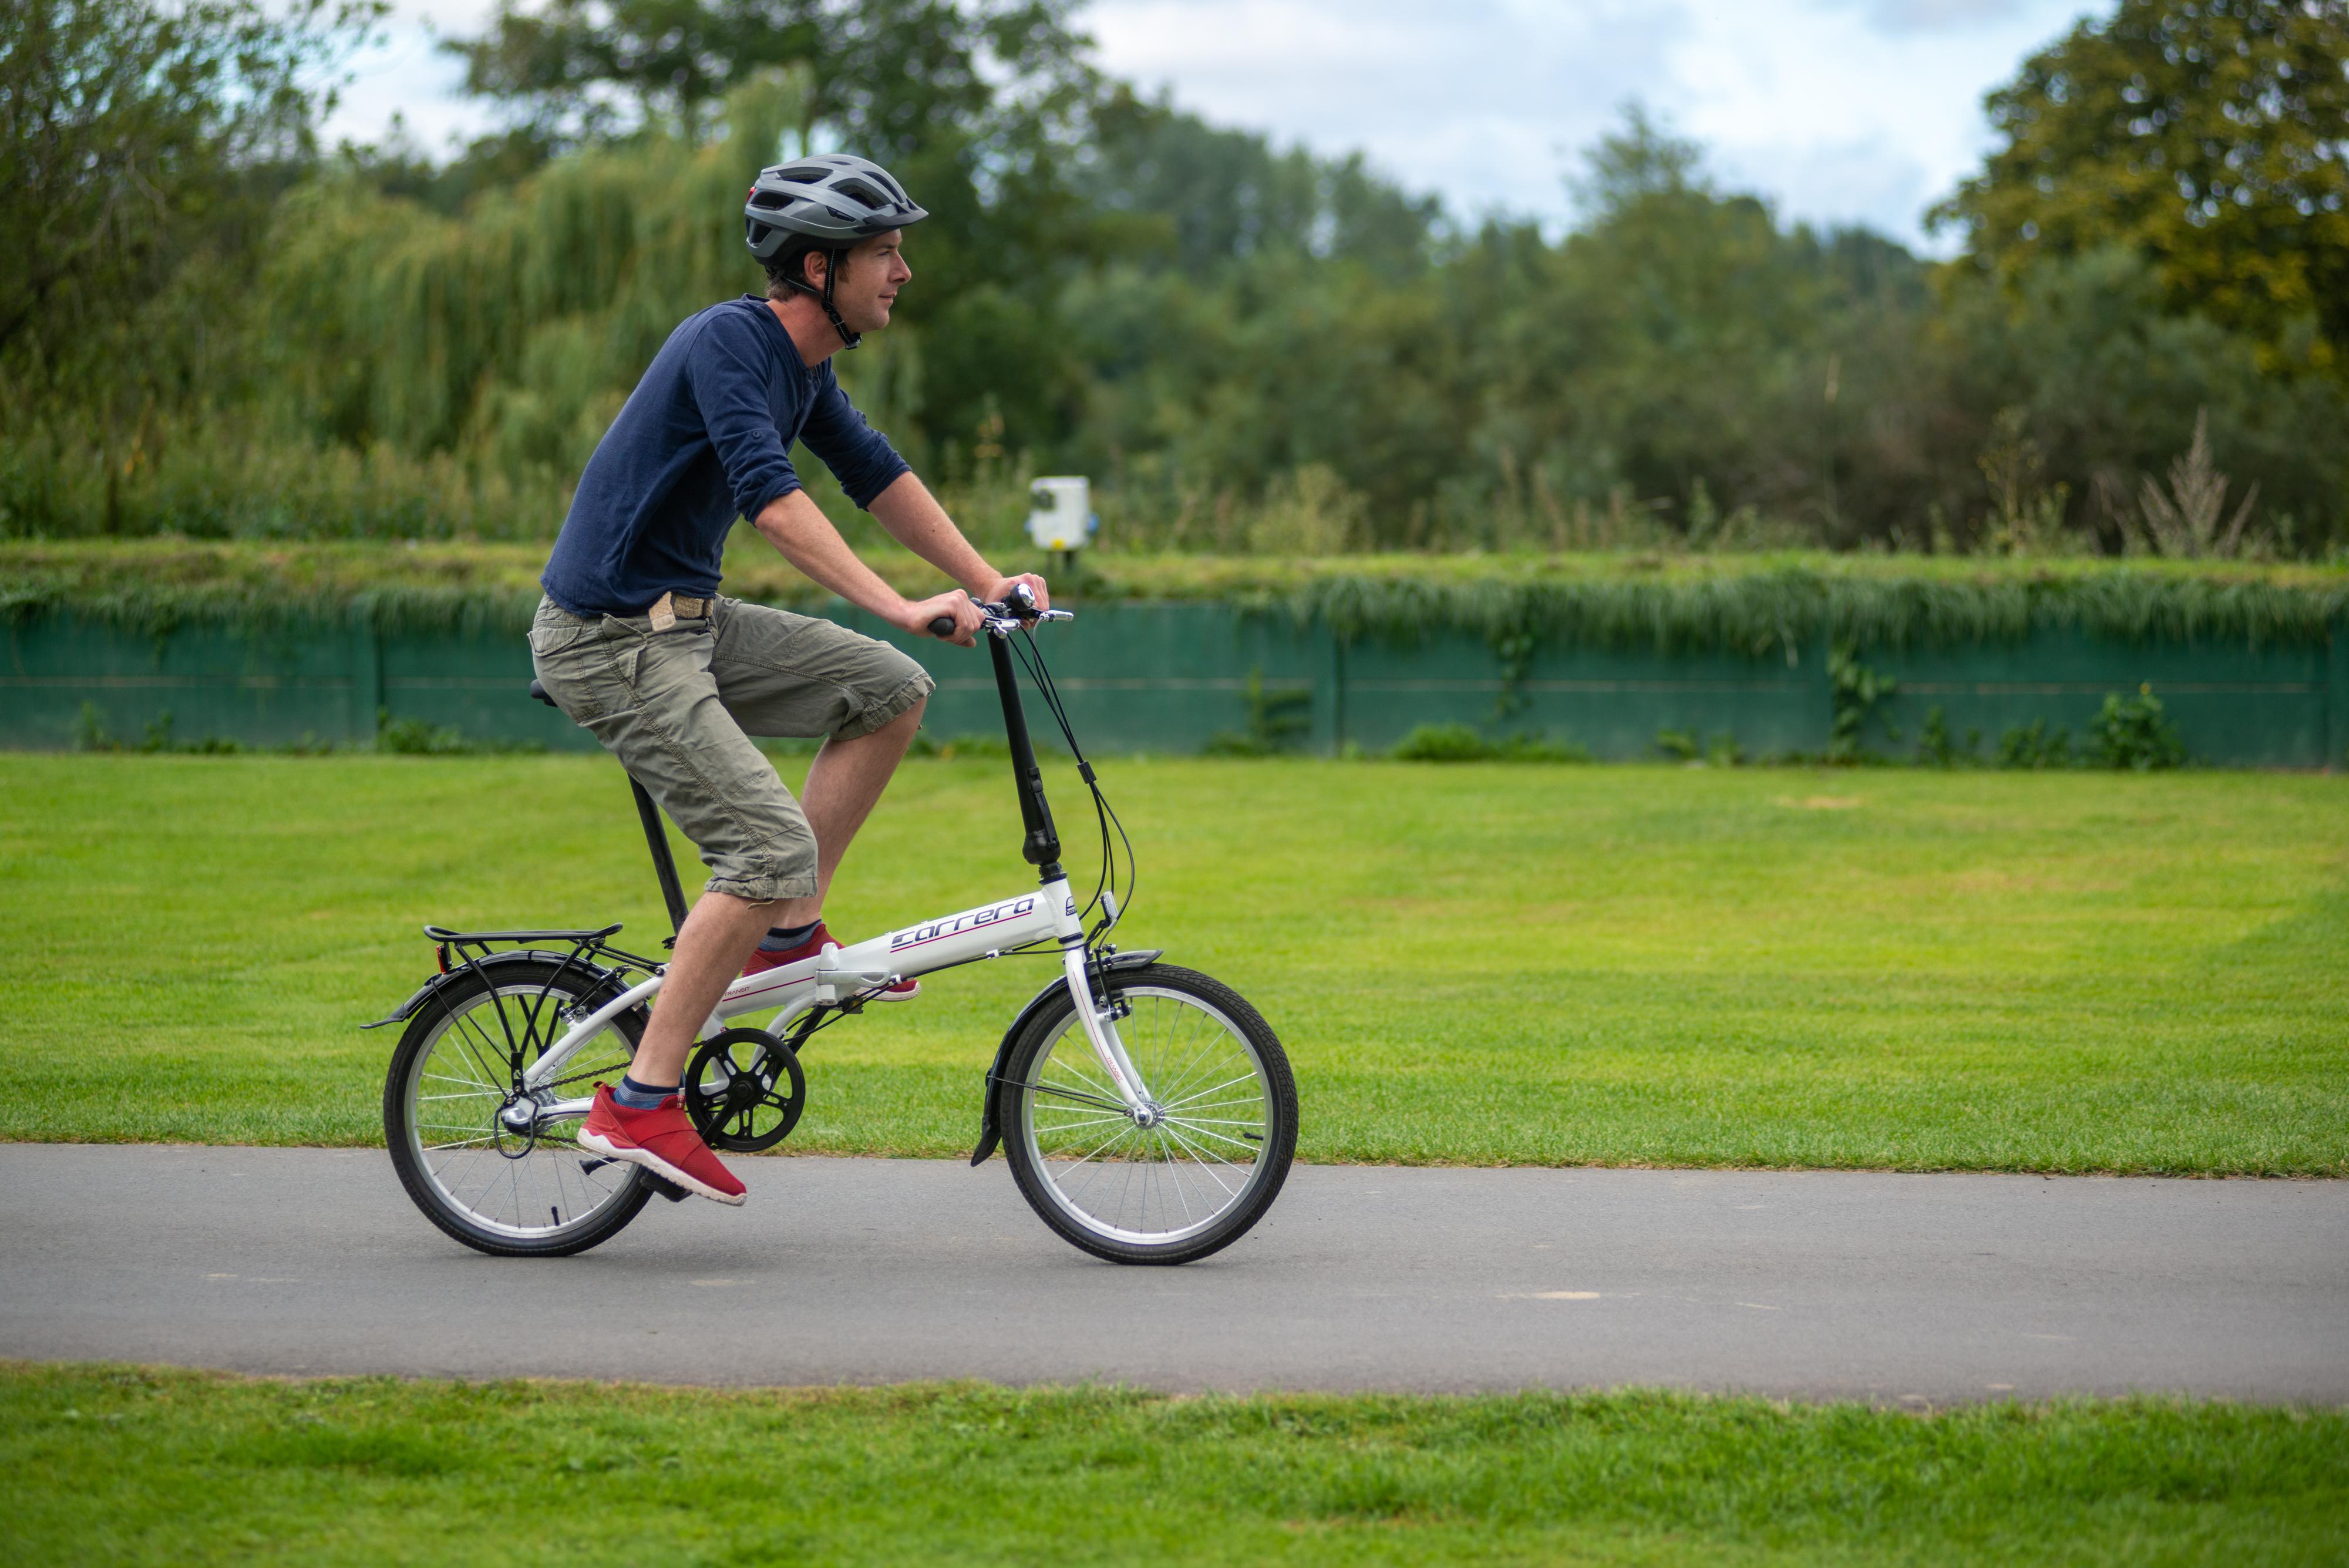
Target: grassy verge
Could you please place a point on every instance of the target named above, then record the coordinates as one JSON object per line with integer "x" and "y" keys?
{"x": 157, "y": 580}
{"x": 1474, "y": 963}
{"x": 123, "y": 1464}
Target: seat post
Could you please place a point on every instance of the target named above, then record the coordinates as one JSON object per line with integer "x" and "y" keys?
{"x": 664, "y": 862}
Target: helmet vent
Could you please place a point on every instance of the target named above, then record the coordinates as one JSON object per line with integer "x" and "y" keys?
{"x": 803, "y": 175}
{"x": 771, "y": 200}
{"x": 857, "y": 189}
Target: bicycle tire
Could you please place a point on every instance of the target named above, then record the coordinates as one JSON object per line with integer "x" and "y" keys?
{"x": 1183, "y": 1024}
{"x": 476, "y": 1084}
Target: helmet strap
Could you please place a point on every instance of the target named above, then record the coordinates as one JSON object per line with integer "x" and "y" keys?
{"x": 832, "y": 260}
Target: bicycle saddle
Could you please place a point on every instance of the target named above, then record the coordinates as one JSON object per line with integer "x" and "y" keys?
{"x": 540, "y": 692}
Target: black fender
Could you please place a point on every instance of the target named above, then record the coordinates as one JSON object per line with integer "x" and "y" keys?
{"x": 990, "y": 1133}
{"x": 609, "y": 983}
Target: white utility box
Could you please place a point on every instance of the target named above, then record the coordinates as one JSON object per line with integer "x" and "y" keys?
{"x": 1061, "y": 513}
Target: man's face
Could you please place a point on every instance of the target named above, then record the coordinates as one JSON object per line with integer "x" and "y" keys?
{"x": 869, "y": 281}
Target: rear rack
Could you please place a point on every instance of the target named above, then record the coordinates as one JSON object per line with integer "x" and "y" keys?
{"x": 587, "y": 947}
{"x": 443, "y": 934}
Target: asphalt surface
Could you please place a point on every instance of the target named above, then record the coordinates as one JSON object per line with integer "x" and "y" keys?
{"x": 1938, "y": 1289}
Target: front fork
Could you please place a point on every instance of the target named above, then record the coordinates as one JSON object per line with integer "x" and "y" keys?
{"x": 1101, "y": 1032}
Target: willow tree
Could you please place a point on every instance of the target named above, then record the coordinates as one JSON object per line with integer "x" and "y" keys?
{"x": 510, "y": 332}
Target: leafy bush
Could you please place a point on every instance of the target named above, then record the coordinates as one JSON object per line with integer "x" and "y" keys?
{"x": 2032, "y": 746}
{"x": 1278, "y": 717}
{"x": 415, "y": 738}
{"x": 1460, "y": 744}
{"x": 2136, "y": 733}
{"x": 1936, "y": 748}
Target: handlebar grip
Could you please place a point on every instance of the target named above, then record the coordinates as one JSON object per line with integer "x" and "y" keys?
{"x": 943, "y": 625}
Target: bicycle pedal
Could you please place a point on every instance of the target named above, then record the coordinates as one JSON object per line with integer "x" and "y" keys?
{"x": 666, "y": 1187}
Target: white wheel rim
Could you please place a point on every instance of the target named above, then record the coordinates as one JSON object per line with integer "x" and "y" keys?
{"x": 454, "y": 1089}
{"x": 1160, "y": 1186}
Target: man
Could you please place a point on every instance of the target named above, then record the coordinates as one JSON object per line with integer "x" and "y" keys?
{"x": 633, "y": 641}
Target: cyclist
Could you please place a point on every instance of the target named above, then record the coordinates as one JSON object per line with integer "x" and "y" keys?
{"x": 634, "y": 641}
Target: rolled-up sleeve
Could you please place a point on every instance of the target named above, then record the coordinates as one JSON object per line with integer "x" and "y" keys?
{"x": 728, "y": 374}
{"x": 859, "y": 456}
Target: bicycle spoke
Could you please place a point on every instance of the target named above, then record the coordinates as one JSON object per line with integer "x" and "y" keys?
{"x": 1172, "y": 1104}
{"x": 526, "y": 1189}
{"x": 1203, "y": 1168}
{"x": 1188, "y": 1168}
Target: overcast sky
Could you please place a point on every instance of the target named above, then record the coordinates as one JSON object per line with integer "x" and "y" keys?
{"x": 1837, "y": 110}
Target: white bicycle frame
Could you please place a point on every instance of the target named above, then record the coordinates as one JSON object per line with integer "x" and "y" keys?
{"x": 842, "y": 974}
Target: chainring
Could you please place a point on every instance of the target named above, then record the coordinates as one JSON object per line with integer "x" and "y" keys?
{"x": 744, "y": 1090}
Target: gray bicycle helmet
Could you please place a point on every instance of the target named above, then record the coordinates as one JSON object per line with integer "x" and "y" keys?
{"x": 827, "y": 201}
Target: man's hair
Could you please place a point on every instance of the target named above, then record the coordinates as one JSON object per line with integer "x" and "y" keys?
{"x": 787, "y": 267}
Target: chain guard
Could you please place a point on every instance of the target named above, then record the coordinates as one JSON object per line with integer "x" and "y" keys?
{"x": 744, "y": 1090}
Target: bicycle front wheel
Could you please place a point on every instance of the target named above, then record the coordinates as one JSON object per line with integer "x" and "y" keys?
{"x": 1198, "y": 1166}
{"x": 533, "y": 1192}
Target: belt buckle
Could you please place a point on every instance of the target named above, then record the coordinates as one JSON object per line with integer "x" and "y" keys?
{"x": 663, "y": 615}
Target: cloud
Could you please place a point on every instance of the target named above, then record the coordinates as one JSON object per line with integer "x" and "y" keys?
{"x": 1939, "y": 15}
{"x": 1838, "y": 111}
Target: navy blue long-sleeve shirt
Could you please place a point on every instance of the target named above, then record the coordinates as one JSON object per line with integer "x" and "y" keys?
{"x": 706, "y": 437}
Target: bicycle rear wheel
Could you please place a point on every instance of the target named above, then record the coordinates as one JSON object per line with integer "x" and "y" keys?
{"x": 1190, "y": 1177}
{"x": 459, "y": 1063}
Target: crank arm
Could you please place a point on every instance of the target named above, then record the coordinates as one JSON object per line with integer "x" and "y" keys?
{"x": 522, "y": 1116}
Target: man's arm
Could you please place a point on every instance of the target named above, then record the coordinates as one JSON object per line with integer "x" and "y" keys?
{"x": 916, "y": 520}
{"x": 798, "y": 528}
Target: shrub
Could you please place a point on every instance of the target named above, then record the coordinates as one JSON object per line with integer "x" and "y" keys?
{"x": 2135, "y": 733}
{"x": 1460, "y": 744}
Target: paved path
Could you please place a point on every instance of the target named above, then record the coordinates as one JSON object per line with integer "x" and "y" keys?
{"x": 1819, "y": 1284}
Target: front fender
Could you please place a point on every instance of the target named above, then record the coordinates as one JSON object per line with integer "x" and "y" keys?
{"x": 609, "y": 983}
{"x": 990, "y": 1133}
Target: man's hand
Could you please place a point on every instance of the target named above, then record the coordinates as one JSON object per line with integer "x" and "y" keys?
{"x": 1003, "y": 586}
{"x": 916, "y": 616}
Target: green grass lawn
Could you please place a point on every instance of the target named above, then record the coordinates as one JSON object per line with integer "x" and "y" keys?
{"x": 115, "y": 1464}
{"x": 1478, "y": 963}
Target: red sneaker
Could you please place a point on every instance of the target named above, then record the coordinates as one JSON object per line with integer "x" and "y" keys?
{"x": 762, "y": 960}
{"x": 662, "y": 1140}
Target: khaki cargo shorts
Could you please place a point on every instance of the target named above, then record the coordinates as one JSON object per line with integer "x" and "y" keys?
{"x": 678, "y": 709}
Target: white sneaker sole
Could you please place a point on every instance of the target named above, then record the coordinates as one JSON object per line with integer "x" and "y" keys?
{"x": 658, "y": 1167}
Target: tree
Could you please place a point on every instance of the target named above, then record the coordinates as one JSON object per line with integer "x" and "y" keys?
{"x": 889, "y": 75}
{"x": 128, "y": 131}
{"x": 1197, "y": 196}
{"x": 2211, "y": 137}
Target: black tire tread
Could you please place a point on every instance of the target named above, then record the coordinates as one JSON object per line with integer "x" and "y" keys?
{"x": 1281, "y": 1148}
{"x": 413, "y": 1039}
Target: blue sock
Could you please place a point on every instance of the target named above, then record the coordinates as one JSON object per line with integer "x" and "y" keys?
{"x": 782, "y": 938}
{"x": 640, "y": 1096}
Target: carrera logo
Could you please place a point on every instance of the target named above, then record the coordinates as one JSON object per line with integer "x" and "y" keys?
{"x": 969, "y": 920}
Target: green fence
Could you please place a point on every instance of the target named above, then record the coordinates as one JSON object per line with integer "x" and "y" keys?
{"x": 1170, "y": 678}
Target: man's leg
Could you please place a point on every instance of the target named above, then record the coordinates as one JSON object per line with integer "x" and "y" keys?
{"x": 710, "y": 952}
{"x": 845, "y": 780}
{"x": 842, "y": 784}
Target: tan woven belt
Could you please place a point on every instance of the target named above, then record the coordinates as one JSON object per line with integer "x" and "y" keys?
{"x": 669, "y": 608}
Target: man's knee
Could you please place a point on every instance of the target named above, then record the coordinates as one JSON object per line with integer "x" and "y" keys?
{"x": 781, "y": 869}
{"x": 908, "y": 692}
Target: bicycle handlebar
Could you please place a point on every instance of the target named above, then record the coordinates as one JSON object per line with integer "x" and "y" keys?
{"x": 1017, "y": 610}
